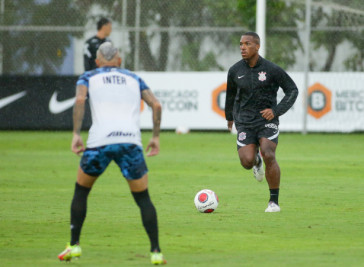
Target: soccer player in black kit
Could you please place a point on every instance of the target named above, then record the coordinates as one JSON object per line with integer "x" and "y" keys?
{"x": 251, "y": 103}
{"x": 89, "y": 54}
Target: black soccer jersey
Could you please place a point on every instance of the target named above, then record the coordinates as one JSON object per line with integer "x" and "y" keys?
{"x": 251, "y": 90}
{"x": 90, "y": 49}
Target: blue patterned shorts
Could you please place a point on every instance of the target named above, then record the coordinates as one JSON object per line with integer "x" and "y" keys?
{"x": 129, "y": 158}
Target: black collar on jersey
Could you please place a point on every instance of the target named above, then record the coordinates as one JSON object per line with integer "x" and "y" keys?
{"x": 259, "y": 62}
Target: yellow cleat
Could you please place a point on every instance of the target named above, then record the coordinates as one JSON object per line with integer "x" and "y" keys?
{"x": 70, "y": 252}
{"x": 157, "y": 258}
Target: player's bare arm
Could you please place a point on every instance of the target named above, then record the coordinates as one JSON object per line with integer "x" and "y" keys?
{"x": 230, "y": 125}
{"x": 77, "y": 145}
{"x": 153, "y": 102}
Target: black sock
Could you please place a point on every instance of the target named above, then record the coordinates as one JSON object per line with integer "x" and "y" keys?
{"x": 274, "y": 194}
{"x": 149, "y": 217}
{"x": 78, "y": 212}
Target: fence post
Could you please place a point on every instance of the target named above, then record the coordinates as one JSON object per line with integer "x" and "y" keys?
{"x": 2, "y": 12}
{"x": 260, "y": 24}
{"x": 306, "y": 64}
{"x": 137, "y": 35}
{"x": 124, "y": 34}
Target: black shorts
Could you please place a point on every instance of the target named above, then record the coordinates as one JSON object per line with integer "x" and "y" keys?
{"x": 248, "y": 135}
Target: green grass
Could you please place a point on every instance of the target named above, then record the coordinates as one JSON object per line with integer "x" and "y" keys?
{"x": 321, "y": 222}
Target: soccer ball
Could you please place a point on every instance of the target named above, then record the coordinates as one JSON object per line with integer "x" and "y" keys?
{"x": 206, "y": 201}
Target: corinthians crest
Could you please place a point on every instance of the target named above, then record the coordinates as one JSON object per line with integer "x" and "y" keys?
{"x": 262, "y": 76}
{"x": 242, "y": 136}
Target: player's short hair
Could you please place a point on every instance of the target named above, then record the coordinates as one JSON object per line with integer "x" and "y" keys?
{"x": 102, "y": 22}
{"x": 254, "y": 35}
{"x": 107, "y": 50}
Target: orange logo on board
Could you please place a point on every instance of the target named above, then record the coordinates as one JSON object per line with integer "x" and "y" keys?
{"x": 319, "y": 100}
{"x": 218, "y": 99}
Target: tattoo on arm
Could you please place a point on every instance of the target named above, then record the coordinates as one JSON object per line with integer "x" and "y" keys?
{"x": 153, "y": 102}
{"x": 79, "y": 108}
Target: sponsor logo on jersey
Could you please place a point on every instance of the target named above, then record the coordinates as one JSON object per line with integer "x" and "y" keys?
{"x": 120, "y": 133}
{"x": 262, "y": 76}
{"x": 272, "y": 126}
{"x": 242, "y": 136}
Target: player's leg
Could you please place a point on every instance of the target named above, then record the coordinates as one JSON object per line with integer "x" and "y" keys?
{"x": 79, "y": 204}
{"x": 132, "y": 164}
{"x": 272, "y": 170}
{"x": 78, "y": 214}
{"x": 247, "y": 147}
{"x": 268, "y": 145}
{"x": 247, "y": 144}
{"x": 247, "y": 155}
{"x": 93, "y": 163}
{"x": 139, "y": 190}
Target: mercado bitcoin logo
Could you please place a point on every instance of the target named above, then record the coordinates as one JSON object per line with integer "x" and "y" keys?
{"x": 218, "y": 100}
{"x": 319, "y": 100}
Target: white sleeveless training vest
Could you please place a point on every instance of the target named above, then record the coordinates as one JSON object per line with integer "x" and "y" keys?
{"x": 114, "y": 96}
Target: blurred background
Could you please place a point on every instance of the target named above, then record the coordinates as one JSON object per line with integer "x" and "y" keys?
{"x": 42, "y": 37}
{"x": 183, "y": 49}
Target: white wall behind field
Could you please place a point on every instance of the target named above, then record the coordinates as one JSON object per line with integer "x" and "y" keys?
{"x": 196, "y": 100}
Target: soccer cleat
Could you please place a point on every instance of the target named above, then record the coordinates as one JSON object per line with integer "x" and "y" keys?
{"x": 70, "y": 252}
{"x": 272, "y": 207}
{"x": 258, "y": 170}
{"x": 157, "y": 258}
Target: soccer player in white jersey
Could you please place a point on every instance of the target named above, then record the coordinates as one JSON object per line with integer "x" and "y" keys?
{"x": 114, "y": 95}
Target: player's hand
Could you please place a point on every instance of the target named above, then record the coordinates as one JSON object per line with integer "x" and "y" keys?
{"x": 153, "y": 147}
{"x": 230, "y": 125}
{"x": 77, "y": 145}
{"x": 267, "y": 114}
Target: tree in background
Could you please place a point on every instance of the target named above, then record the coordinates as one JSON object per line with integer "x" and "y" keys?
{"x": 196, "y": 50}
{"x": 280, "y": 45}
{"x": 343, "y": 19}
{"x": 156, "y": 47}
{"x": 162, "y": 48}
{"x": 37, "y": 52}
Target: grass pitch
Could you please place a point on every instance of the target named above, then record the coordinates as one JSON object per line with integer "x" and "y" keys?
{"x": 321, "y": 197}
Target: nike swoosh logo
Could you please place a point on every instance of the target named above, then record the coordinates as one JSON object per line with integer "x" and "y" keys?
{"x": 10, "y": 99}
{"x": 56, "y": 106}
{"x": 239, "y": 77}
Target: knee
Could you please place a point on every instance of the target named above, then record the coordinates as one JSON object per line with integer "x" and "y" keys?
{"x": 142, "y": 199}
{"x": 247, "y": 163}
{"x": 268, "y": 156}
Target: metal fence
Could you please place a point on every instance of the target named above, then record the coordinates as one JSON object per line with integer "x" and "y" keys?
{"x": 42, "y": 37}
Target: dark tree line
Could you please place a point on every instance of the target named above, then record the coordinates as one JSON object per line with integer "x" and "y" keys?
{"x": 43, "y": 52}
